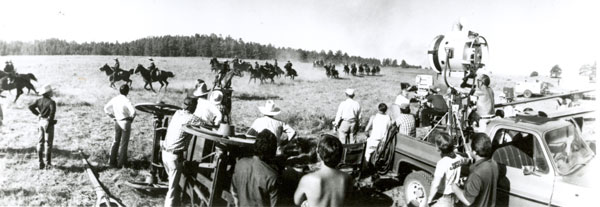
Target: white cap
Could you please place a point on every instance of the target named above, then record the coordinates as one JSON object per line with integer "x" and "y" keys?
{"x": 350, "y": 91}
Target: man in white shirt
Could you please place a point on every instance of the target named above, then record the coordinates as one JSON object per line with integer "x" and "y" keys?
{"x": 485, "y": 101}
{"x": 268, "y": 122}
{"x": 207, "y": 110}
{"x": 347, "y": 118}
{"x": 121, "y": 110}
{"x": 403, "y": 96}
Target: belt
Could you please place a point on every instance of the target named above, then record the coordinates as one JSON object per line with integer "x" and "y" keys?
{"x": 487, "y": 117}
{"x": 172, "y": 151}
{"x": 349, "y": 120}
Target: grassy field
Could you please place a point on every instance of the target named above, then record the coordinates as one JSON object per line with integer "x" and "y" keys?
{"x": 309, "y": 104}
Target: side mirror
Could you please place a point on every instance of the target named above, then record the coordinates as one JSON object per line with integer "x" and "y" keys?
{"x": 529, "y": 170}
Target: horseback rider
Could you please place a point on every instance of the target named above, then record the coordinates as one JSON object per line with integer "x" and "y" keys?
{"x": 117, "y": 67}
{"x": 256, "y": 65}
{"x": 10, "y": 70}
{"x": 154, "y": 72}
{"x": 288, "y": 65}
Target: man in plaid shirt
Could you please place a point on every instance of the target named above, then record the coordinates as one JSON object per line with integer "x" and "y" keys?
{"x": 405, "y": 120}
{"x": 175, "y": 144}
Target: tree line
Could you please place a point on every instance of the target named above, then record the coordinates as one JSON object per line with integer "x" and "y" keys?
{"x": 184, "y": 46}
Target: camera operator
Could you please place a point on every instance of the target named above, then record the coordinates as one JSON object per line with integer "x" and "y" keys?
{"x": 435, "y": 106}
{"x": 485, "y": 102}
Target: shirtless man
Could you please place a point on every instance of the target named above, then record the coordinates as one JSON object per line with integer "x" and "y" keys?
{"x": 485, "y": 101}
{"x": 327, "y": 186}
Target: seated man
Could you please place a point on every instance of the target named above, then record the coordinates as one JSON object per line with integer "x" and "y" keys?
{"x": 275, "y": 126}
{"x": 254, "y": 181}
{"x": 436, "y": 107}
{"x": 406, "y": 121}
{"x": 327, "y": 186}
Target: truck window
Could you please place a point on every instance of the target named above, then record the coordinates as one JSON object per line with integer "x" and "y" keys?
{"x": 567, "y": 148}
{"x": 517, "y": 149}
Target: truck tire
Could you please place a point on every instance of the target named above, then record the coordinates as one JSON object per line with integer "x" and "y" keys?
{"x": 527, "y": 94}
{"x": 416, "y": 187}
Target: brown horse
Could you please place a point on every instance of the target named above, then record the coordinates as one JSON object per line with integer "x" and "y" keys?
{"x": 29, "y": 77}
{"x": 225, "y": 81}
{"x": 160, "y": 77}
{"x": 18, "y": 83}
{"x": 215, "y": 65}
{"x": 114, "y": 77}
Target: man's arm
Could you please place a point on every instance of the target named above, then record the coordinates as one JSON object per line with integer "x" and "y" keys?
{"x": 291, "y": 133}
{"x": 107, "y": 107}
{"x": 435, "y": 183}
{"x": 369, "y": 126}
{"x": 471, "y": 191}
{"x": 218, "y": 116}
{"x": 234, "y": 194}
{"x": 33, "y": 108}
{"x": 131, "y": 110}
{"x": 274, "y": 192}
{"x": 52, "y": 111}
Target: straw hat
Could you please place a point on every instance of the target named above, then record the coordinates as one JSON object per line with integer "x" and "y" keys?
{"x": 46, "y": 89}
{"x": 349, "y": 91}
{"x": 216, "y": 97}
{"x": 201, "y": 90}
{"x": 269, "y": 109}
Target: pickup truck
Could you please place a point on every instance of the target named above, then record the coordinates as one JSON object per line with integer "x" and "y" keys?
{"x": 545, "y": 162}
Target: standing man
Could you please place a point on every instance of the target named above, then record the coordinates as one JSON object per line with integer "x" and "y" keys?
{"x": 174, "y": 145}
{"x": 485, "y": 101}
{"x": 45, "y": 109}
{"x": 347, "y": 118}
{"x": 480, "y": 187}
{"x": 121, "y": 110}
{"x": 255, "y": 182}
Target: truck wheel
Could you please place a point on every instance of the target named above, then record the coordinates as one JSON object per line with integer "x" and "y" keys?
{"x": 527, "y": 93}
{"x": 416, "y": 187}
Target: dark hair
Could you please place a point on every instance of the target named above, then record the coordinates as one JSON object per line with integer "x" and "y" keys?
{"x": 413, "y": 89}
{"x": 404, "y": 86}
{"x": 482, "y": 145}
{"x": 445, "y": 144}
{"x": 190, "y": 103}
{"x": 330, "y": 150}
{"x": 265, "y": 146}
{"x": 351, "y": 96}
{"x": 382, "y": 107}
{"x": 485, "y": 80}
{"x": 124, "y": 89}
{"x": 405, "y": 110}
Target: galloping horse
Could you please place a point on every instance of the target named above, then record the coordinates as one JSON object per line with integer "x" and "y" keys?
{"x": 18, "y": 83}
{"x": 244, "y": 66}
{"x": 215, "y": 65}
{"x": 148, "y": 78}
{"x": 346, "y": 69}
{"x": 266, "y": 74}
{"x": 225, "y": 81}
{"x": 114, "y": 77}
{"x": 28, "y": 77}
{"x": 367, "y": 69}
{"x": 291, "y": 73}
{"x": 255, "y": 74}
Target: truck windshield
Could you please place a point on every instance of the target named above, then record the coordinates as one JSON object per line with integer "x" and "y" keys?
{"x": 567, "y": 149}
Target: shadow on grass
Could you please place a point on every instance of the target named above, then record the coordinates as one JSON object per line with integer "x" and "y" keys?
{"x": 16, "y": 192}
{"x": 32, "y": 150}
{"x": 253, "y": 97}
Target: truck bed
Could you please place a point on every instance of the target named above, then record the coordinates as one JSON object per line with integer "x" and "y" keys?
{"x": 413, "y": 151}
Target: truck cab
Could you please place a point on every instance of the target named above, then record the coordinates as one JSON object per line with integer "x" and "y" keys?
{"x": 545, "y": 162}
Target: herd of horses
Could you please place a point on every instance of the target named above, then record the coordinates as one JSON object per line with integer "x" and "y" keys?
{"x": 263, "y": 72}
{"x": 363, "y": 69}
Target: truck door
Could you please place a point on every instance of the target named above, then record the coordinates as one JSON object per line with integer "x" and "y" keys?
{"x": 529, "y": 178}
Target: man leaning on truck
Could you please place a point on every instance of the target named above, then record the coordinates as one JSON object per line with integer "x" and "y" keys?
{"x": 480, "y": 187}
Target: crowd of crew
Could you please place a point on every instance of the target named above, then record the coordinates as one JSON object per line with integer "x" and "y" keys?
{"x": 255, "y": 181}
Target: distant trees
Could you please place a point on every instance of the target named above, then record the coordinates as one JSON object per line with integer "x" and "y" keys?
{"x": 555, "y": 71}
{"x": 534, "y": 74}
{"x": 172, "y": 46}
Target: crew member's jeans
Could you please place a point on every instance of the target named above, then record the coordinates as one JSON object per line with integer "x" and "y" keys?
{"x": 119, "y": 145}
{"x": 173, "y": 165}
{"x": 347, "y": 132}
{"x": 445, "y": 201}
{"x": 46, "y": 137}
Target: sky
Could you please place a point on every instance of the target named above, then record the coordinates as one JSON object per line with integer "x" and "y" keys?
{"x": 524, "y": 35}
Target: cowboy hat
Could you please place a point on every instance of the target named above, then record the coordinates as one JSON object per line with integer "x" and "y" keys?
{"x": 269, "y": 109}
{"x": 46, "y": 89}
{"x": 349, "y": 91}
{"x": 201, "y": 90}
{"x": 216, "y": 97}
